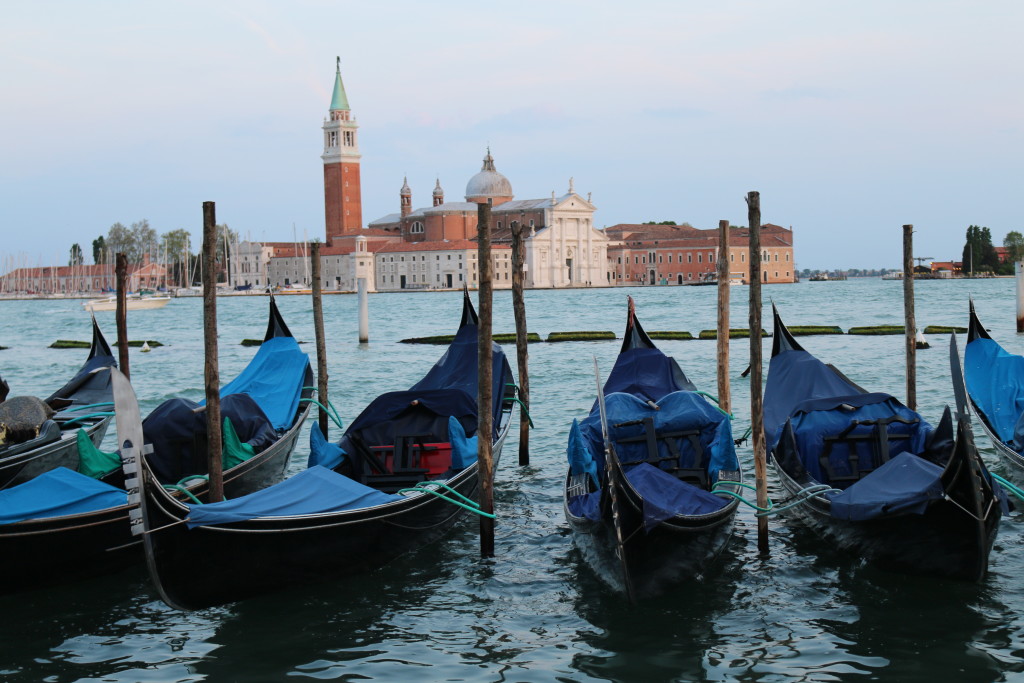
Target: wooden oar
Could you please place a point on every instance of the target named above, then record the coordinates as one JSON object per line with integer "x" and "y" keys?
{"x": 612, "y": 482}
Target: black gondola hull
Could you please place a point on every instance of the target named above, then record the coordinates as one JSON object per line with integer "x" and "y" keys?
{"x": 678, "y": 550}
{"x": 53, "y": 550}
{"x": 948, "y": 539}
{"x": 17, "y": 469}
{"x": 213, "y": 565}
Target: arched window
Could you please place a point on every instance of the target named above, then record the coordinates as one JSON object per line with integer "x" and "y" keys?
{"x": 417, "y": 227}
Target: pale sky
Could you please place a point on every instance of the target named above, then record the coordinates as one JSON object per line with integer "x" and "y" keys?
{"x": 851, "y": 118}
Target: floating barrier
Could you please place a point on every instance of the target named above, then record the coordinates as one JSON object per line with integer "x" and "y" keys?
{"x": 877, "y": 330}
{"x": 669, "y": 334}
{"x": 531, "y": 338}
{"x": 580, "y": 336}
{"x": 734, "y": 333}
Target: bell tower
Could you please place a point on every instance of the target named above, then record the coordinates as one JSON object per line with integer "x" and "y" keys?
{"x": 342, "y": 190}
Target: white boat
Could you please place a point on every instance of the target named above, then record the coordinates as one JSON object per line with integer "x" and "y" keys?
{"x": 133, "y": 303}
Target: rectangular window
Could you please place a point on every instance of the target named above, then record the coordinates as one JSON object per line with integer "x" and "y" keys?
{"x": 689, "y": 258}
{"x": 711, "y": 257}
{"x": 670, "y": 261}
{"x": 700, "y": 257}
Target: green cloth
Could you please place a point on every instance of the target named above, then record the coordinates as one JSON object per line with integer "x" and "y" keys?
{"x": 235, "y": 450}
{"x": 92, "y": 462}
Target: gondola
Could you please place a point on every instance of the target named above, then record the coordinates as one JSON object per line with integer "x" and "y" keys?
{"x": 876, "y": 478}
{"x": 65, "y": 524}
{"x": 643, "y": 467}
{"x": 362, "y": 502}
{"x": 995, "y": 386}
{"x": 84, "y": 403}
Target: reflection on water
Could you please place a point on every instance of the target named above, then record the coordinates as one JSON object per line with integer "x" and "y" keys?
{"x": 534, "y": 612}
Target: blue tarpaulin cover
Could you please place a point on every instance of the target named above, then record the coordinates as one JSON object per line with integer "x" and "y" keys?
{"x": 995, "y": 381}
{"x": 57, "y": 493}
{"x": 457, "y": 369}
{"x": 816, "y": 419}
{"x": 580, "y": 458}
{"x": 906, "y": 483}
{"x": 678, "y": 411}
{"x": 321, "y": 451}
{"x": 274, "y": 378}
{"x": 647, "y": 373}
{"x": 666, "y": 497}
{"x": 464, "y": 449}
{"x": 178, "y": 434}
{"x": 311, "y": 491}
{"x": 794, "y": 377}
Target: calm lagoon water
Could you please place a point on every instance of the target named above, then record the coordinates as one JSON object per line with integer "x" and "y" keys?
{"x": 534, "y": 612}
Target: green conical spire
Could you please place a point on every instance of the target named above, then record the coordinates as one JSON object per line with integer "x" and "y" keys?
{"x": 339, "y": 101}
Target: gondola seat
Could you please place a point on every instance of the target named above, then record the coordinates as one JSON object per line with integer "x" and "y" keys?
{"x": 49, "y": 432}
{"x": 672, "y": 463}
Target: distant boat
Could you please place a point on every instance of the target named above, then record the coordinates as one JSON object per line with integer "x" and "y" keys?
{"x": 133, "y": 303}
{"x": 898, "y": 275}
{"x": 294, "y": 289}
{"x": 820, "y": 277}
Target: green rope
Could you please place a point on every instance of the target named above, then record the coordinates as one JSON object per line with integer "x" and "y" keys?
{"x": 472, "y": 506}
{"x": 1009, "y": 486}
{"x": 204, "y": 477}
{"x": 183, "y": 490}
{"x": 707, "y": 395}
{"x": 330, "y": 413}
{"x": 82, "y": 418}
{"x": 522, "y": 407}
{"x": 799, "y": 498}
{"x": 742, "y": 438}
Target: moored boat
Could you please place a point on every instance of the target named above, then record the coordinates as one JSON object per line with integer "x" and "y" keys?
{"x": 362, "y": 502}
{"x": 644, "y": 466}
{"x": 994, "y": 381}
{"x": 132, "y": 303}
{"x": 876, "y": 479}
{"x": 70, "y": 523}
{"x": 83, "y": 403}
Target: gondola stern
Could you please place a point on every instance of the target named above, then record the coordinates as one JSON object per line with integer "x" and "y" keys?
{"x": 469, "y": 316}
{"x": 276, "y": 326}
{"x": 634, "y": 337}
{"x": 975, "y": 330}
{"x": 782, "y": 339}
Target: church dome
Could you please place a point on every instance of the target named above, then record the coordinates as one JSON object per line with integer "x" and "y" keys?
{"x": 488, "y": 183}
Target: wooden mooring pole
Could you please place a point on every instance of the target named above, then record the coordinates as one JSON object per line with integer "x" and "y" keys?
{"x": 212, "y": 373}
{"x": 1018, "y": 271}
{"x": 484, "y": 403}
{"x": 321, "y": 344}
{"x": 910, "y": 326}
{"x": 756, "y": 398}
{"x": 724, "y": 400}
{"x": 522, "y": 352}
{"x": 364, "y": 311}
{"x": 121, "y": 312}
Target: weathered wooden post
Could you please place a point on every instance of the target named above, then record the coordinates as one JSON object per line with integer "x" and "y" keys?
{"x": 364, "y": 311}
{"x": 756, "y": 407}
{"x": 318, "y": 329}
{"x": 910, "y": 326}
{"x": 484, "y": 403}
{"x": 1018, "y": 270}
{"x": 724, "y": 400}
{"x": 121, "y": 312}
{"x": 212, "y": 373}
{"x": 522, "y": 352}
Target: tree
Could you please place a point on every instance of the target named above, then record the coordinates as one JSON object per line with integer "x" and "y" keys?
{"x": 176, "y": 247}
{"x": 99, "y": 250}
{"x": 1014, "y": 243}
{"x": 119, "y": 239}
{"x": 77, "y": 258}
{"x": 979, "y": 254}
{"x": 144, "y": 240}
